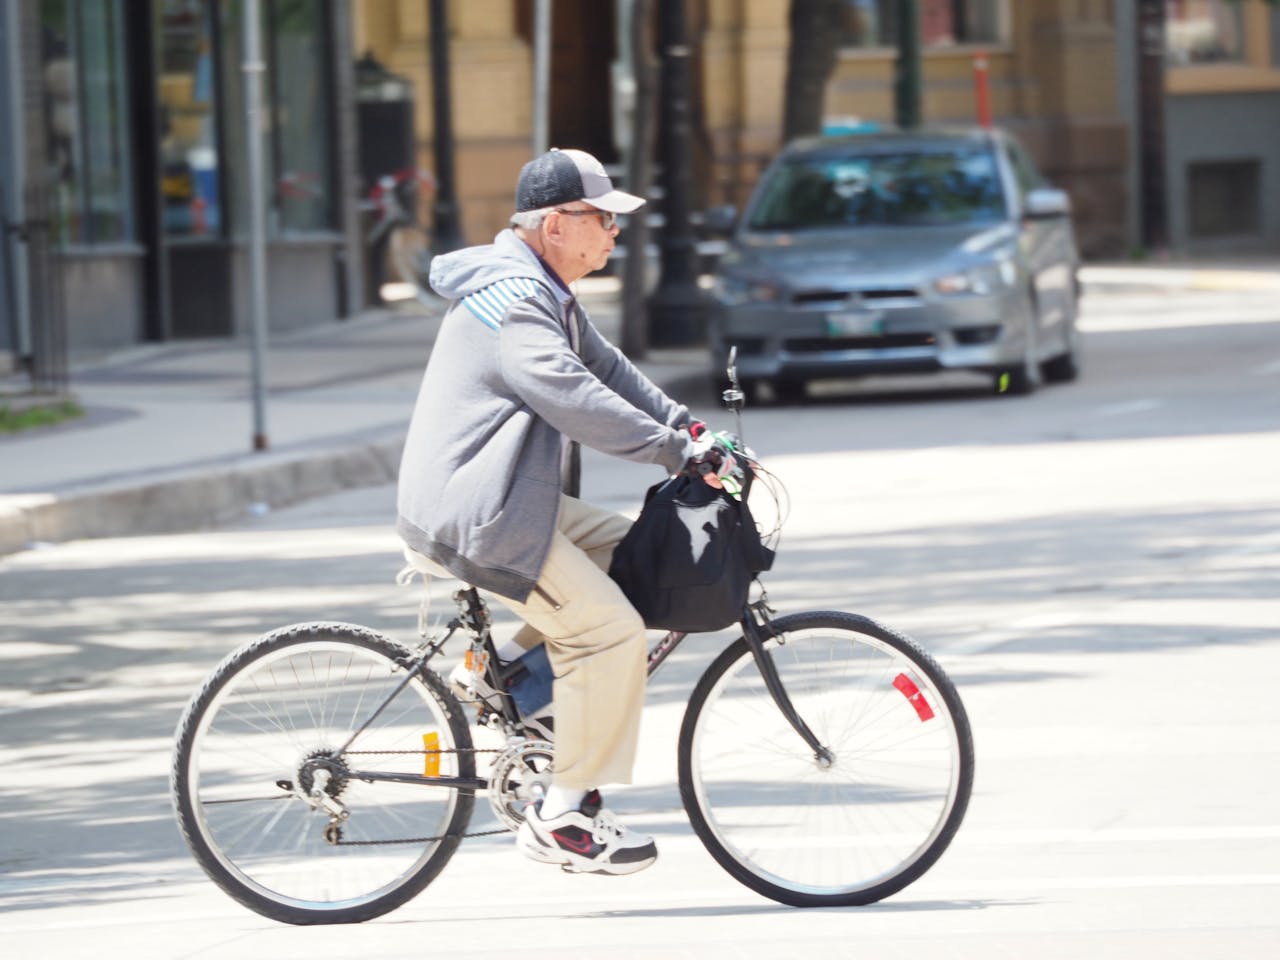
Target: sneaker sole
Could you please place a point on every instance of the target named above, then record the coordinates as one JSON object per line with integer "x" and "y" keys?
{"x": 611, "y": 869}
{"x": 536, "y": 851}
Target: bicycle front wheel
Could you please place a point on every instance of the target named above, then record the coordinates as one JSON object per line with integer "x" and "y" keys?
{"x": 844, "y": 829}
{"x": 273, "y": 729}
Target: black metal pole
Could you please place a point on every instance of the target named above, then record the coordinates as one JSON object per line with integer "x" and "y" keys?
{"x": 677, "y": 309}
{"x": 445, "y": 233}
{"x": 906, "y": 86}
{"x": 1151, "y": 152}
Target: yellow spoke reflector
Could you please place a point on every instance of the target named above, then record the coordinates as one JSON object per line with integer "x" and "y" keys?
{"x": 431, "y": 763}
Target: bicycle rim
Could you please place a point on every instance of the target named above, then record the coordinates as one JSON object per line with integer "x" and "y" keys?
{"x": 245, "y": 747}
{"x": 810, "y": 833}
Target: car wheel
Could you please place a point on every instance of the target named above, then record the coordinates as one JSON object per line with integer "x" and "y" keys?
{"x": 1026, "y": 377}
{"x": 1066, "y": 365}
{"x": 789, "y": 392}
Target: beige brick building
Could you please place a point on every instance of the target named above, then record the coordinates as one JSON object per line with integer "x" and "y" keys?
{"x": 1052, "y": 68}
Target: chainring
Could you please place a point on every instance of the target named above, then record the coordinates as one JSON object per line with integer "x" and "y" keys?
{"x": 520, "y": 775}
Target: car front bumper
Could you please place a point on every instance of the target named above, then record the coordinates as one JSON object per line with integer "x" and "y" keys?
{"x": 904, "y": 334}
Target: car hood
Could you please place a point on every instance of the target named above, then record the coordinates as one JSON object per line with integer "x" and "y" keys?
{"x": 906, "y": 255}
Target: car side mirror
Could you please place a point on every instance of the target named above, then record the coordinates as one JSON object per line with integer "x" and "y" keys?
{"x": 720, "y": 221}
{"x": 1045, "y": 203}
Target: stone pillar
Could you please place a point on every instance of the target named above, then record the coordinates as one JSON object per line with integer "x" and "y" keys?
{"x": 1070, "y": 114}
{"x": 744, "y": 60}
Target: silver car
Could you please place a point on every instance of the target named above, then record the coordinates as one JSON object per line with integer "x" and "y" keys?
{"x": 899, "y": 252}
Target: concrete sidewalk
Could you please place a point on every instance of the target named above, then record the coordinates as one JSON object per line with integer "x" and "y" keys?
{"x": 165, "y": 444}
{"x": 166, "y": 441}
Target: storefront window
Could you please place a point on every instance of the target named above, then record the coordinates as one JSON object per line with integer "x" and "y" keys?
{"x": 1203, "y": 31}
{"x": 943, "y": 23}
{"x": 296, "y": 110}
{"x": 186, "y": 93}
{"x": 300, "y": 115}
{"x": 86, "y": 121}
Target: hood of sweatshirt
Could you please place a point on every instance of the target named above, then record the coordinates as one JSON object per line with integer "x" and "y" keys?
{"x": 463, "y": 272}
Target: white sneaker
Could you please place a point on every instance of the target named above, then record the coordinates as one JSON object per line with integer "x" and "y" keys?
{"x": 541, "y": 725}
{"x": 587, "y": 840}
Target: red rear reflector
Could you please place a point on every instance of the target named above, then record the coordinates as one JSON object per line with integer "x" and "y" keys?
{"x": 909, "y": 690}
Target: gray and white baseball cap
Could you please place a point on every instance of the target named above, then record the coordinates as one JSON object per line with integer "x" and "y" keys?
{"x": 565, "y": 176}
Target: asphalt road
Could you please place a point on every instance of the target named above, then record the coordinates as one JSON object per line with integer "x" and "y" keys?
{"x": 1098, "y": 566}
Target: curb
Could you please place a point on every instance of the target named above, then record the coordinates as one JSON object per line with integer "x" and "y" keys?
{"x": 1179, "y": 280}
{"x": 202, "y": 498}
{"x": 194, "y": 499}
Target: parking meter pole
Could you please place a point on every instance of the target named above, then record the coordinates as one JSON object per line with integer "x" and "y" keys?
{"x": 253, "y": 69}
{"x": 677, "y": 310}
{"x": 445, "y": 233}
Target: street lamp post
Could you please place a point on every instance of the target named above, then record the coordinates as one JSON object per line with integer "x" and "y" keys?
{"x": 1151, "y": 151}
{"x": 677, "y": 310}
{"x": 907, "y": 81}
{"x": 445, "y": 234}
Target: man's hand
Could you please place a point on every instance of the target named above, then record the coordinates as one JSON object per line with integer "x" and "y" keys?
{"x": 712, "y": 457}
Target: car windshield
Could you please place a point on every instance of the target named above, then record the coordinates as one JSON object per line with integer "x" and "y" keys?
{"x": 913, "y": 188}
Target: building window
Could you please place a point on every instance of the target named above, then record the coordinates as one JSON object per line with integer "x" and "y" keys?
{"x": 297, "y": 109}
{"x": 1224, "y": 198}
{"x": 1203, "y": 31}
{"x": 188, "y": 119}
{"x": 943, "y": 23}
{"x": 86, "y": 121}
{"x": 300, "y": 111}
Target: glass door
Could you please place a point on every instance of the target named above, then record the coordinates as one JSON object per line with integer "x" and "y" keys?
{"x": 190, "y": 168}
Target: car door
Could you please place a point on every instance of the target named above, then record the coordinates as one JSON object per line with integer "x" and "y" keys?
{"x": 1048, "y": 248}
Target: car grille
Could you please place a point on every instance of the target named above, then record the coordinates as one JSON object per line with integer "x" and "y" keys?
{"x": 828, "y": 298}
{"x": 748, "y": 346}
{"x": 972, "y": 335}
{"x": 888, "y": 341}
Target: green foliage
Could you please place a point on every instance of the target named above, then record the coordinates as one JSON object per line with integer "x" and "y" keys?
{"x": 40, "y": 415}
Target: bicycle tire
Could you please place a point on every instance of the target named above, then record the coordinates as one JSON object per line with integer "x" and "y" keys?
{"x": 845, "y": 834}
{"x": 256, "y": 728}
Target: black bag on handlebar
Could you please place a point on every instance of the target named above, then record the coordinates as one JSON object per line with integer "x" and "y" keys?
{"x": 688, "y": 561}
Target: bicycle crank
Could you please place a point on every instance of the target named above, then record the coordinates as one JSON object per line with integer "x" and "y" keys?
{"x": 519, "y": 776}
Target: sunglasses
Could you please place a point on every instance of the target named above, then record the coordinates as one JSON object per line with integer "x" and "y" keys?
{"x": 608, "y": 219}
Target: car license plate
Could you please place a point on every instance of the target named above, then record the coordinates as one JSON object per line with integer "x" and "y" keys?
{"x": 856, "y": 323}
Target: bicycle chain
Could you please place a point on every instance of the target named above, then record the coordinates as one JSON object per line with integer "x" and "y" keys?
{"x": 379, "y": 843}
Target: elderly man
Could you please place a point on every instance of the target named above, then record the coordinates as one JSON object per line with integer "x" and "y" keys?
{"x": 517, "y": 374}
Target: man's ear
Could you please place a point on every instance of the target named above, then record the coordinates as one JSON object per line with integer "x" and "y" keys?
{"x": 553, "y": 229}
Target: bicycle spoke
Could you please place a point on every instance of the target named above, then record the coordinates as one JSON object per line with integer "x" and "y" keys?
{"x": 801, "y": 829}
{"x": 285, "y": 706}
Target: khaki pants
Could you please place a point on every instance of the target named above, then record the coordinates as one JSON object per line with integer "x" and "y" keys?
{"x": 596, "y": 643}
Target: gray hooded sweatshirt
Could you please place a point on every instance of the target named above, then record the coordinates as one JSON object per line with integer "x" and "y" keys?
{"x": 513, "y": 372}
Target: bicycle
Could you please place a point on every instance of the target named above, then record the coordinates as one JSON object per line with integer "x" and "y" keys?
{"x": 398, "y": 239}
{"x": 326, "y": 774}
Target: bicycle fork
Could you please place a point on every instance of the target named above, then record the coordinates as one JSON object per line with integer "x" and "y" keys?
{"x": 755, "y": 639}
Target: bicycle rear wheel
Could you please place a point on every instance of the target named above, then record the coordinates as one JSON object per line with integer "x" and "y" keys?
{"x": 270, "y": 724}
{"x": 811, "y": 833}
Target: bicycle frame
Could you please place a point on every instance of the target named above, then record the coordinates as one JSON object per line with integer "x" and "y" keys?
{"x": 474, "y": 616}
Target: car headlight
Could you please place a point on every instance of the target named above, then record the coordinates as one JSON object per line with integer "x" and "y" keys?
{"x": 983, "y": 279}
{"x": 732, "y": 291}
